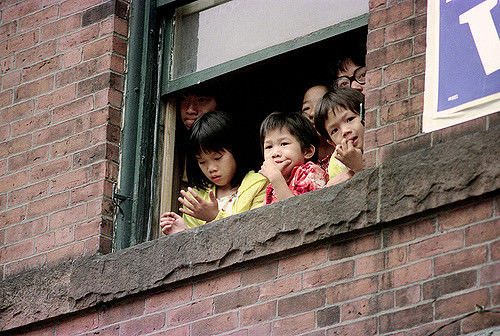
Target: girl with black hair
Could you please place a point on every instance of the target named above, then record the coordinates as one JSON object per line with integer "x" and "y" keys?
{"x": 219, "y": 170}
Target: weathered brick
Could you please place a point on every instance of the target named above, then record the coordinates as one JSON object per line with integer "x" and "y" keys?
{"x": 71, "y": 145}
{"x": 466, "y": 215}
{"x": 365, "y": 327}
{"x": 328, "y": 316}
{"x": 354, "y": 247}
{"x": 80, "y": 324}
{"x": 60, "y": 27}
{"x": 29, "y": 193}
{"x": 294, "y": 325}
{"x": 419, "y": 44}
{"x": 407, "y": 128}
{"x": 17, "y": 112}
{"x": 34, "y": 89}
{"x": 405, "y": 319}
{"x": 18, "y": 43}
{"x": 302, "y": 261}
{"x": 57, "y": 97}
{"x": 351, "y": 290}
{"x": 89, "y": 156}
{"x": 121, "y": 312}
{"x": 495, "y": 250}
{"x": 98, "y": 13}
{"x": 215, "y": 325}
{"x": 9, "y": 80}
{"x": 436, "y": 245}
{"x": 15, "y": 146}
{"x": 236, "y": 299}
{"x": 21, "y": 9}
{"x": 404, "y": 69}
{"x": 405, "y": 29}
{"x": 98, "y": 48}
{"x": 406, "y": 275}
{"x": 76, "y": 73}
{"x": 408, "y": 296}
{"x": 190, "y": 312}
{"x": 379, "y": 137}
{"x": 259, "y": 273}
{"x": 42, "y": 68}
{"x": 65, "y": 235}
{"x": 327, "y": 275}
{"x": 71, "y": 179}
{"x": 80, "y": 37}
{"x": 73, "y": 6}
{"x": 280, "y": 287}
{"x": 480, "y": 321}
{"x": 72, "y": 57}
{"x": 389, "y": 54}
{"x": 490, "y": 274}
{"x": 144, "y": 325}
{"x": 438, "y": 287}
{"x": 459, "y": 130}
{"x": 354, "y": 310}
{"x": 439, "y": 329}
{"x": 380, "y": 261}
{"x": 461, "y": 304}
{"x": 460, "y": 260}
{"x": 37, "y": 19}
{"x": 217, "y": 285}
{"x": 258, "y": 313}
{"x": 25, "y": 264}
{"x": 301, "y": 303}
{"x": 482, "y": 232}
{"x": 50, "y": 169}
{"x": 45, "y": 242}
{"x": 12, "y": 216}
{"x": 13, "y": 181}
{"x": 31, "y": 124}
{"x": 94, "y": 84}
{"x": 8, "y": 30}
{"x": 404, "y": 147}
{"x": 37, "y": 53}
{"x": 397, "y": 12}
{"x": 17, "y": 251}
{"x": 47, "y": 205}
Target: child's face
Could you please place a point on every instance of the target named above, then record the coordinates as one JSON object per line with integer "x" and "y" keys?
{"x": 284, "y": 149}
{"x": 345, "y": 124}
{"x": 311, "y": 98}
{"x": 218, "y": 167}
{"x": 192, "y": 106}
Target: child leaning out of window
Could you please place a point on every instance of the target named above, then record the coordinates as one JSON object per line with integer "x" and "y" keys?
{"x": 289, "y": 143}
{"x": 339, "y": 118}
{"x": 219, "y": 170}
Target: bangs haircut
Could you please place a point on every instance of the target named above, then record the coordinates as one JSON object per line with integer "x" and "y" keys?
{"x": 298, "y": 125}
{"x": 334, "y": 99}
{"x": 215, "y": 132}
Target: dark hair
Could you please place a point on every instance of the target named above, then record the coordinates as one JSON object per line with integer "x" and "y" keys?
{"x": 215, "y": 132}
{"x": 347, "y": 98}
{"x": 298, "y": 125}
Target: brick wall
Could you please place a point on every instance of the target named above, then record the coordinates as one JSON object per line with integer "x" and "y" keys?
{"x": 405, "y": 279}
{"x": 395, "y": 83}
{"x": 61, "y": 74}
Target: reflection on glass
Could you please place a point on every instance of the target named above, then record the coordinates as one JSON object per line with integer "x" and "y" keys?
{"x": 214, "y": 35}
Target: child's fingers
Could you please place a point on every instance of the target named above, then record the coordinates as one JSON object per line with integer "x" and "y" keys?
{"x": 211, "y": 194}
{"x": 195, "y": 195}
{"x": 187, "y": 212}
{"x": 186, "y": 203}
{"x": 188, "y": 198}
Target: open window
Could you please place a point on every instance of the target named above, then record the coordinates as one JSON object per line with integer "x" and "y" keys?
{"x": 259, "y": 56}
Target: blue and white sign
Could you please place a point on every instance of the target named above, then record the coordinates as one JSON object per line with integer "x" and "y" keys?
{"x": 463, "y": 61}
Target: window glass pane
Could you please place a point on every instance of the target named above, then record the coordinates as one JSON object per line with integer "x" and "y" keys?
{"x": 212, "y": 36}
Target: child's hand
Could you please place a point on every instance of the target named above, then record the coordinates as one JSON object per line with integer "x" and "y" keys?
{"x": 171, "y": 223}
{"x": 199, "y": 207}
{"x": 349, "y": 155}
{"x": 271, "y": 170}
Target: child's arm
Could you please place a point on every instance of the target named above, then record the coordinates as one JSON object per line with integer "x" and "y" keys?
{"x": 349, "y": 155}
{"x": 272, "y": 171}
{"x": 197, "y": 207}
{"x": 340, "y": 177}
{"x": 171, "y": 223}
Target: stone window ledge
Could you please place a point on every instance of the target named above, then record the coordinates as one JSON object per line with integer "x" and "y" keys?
{"x": 405, "y": 187}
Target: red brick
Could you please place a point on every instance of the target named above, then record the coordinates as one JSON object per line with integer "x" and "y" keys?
{"x": 383, "y": 56}
{"x": 70, "y": 180}
{"x": 401, "y": 110}
{"x": 77, "y": 325}
{"x": 439, "y": 329}
{"x": 490, "y": 274}
{"x": 461, "y": 304}
{"x": 302, "y": 261}
{"x": 392, "y": 14}
{"x": 407, "y": 128}
{"x": 190, "y": 312}
{"x": 33, "y": 89}
{"x": 8, "y": 30}
{"x": 31, "y": 124}
{"x": 460, "y": 260}
{"x": 12, "y": 216}
{"x": 482, "y": 232}
{"x": 25, "y": 264}
{"x": 354, "y": 247}
{"x": 80, "y": 37}
{"x": 14, "y": 146}
{"x": 90, "y": 191}
{"x": 419, "y": 44}
{"x": 50, "y": 169}
{"x": 17, "y": 251}
{"x": 47, "y": 205}
{"x": 17, "y": 112}
{"x": 373, "y": 80}
{"x": 233, "y": 300}
{"x": 460, "y": 130}
{"x": 405, "y": 233}
{"x": 73, "y": 6}
{"x": 408, "y": 296}
{"x": 404, "y": 147}
{"x": 301, "y": 303}
{"x": 57, "y": 97}
{"x": 37, "y": 19}
{"x": 404, "y": 69}
{"x": 76, "y": 73}
{"x": 405, "y": 29}
{"x": 436, "y": 245}
{"x": 495, "y": 250}
{"x": 258, "y": 314}
{"x": 438, "y": 287}
{"x": 98, "y": 48}
{"x": 379, "y": 137}
{"x": 121, "y": 312}
{"x": 465, "y": 215}
{"x": 72, "y": 57}
{"x": 89, "y": 156}
{"x": 215, "y": 325}
{"x": 380, "y": 261}
{"x": 406, "y": 275}
{"x": 480, "y": 321}
{"x": 36, "y": 54}
{"x": 71, "y": 145}
{"x": 294, "y": 325}
{"x": 381, "y": 302}
{"x": 405, "y": 319}
{"x": 327, "y": 275}
{"x": 21, "y": 9}
{"x": 108, "y": 331}
{"x": 417, "y": 84}
{"x": 18, "y": 43}
{"x": 365, "y": 328}
{"x": 280, "y": 287}
{"x": 68, "y": 252}
{"x": 144, "y": 325}
{"x": 217, "y": 285}
{"x": 42, "y": 68}
{"x": 259, "y": 273}
{"x": 13, "y": 181}
{"x": 45, "y": 242}
{"x": 9, "y": 80}
{"x": 354, "y": 310}
{"x": 351, "y": 290}
{"x": 60, "y": 27}
{"x": 91, "y": 228}
{"x": 375, "y": 39}
{"x": 54, "y": 133}
{"x": 65, "y": 235}
{"x": 29, "y": 193}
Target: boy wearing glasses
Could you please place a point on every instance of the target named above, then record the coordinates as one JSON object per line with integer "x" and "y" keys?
{"x": 351, "y": 72}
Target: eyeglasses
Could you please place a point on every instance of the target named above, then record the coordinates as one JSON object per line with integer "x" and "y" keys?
{"x": 345, "y": 81}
